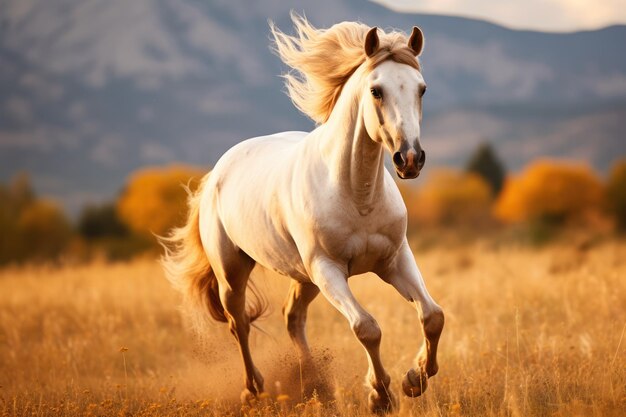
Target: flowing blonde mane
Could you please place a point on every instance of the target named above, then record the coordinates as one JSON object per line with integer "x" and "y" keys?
{"x": 324, "y": 60}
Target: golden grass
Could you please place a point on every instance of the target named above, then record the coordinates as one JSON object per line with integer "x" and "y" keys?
{"x": 528, "y": 333}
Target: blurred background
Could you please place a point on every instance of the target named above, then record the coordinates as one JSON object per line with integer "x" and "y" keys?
{"x": 107, "y": 107}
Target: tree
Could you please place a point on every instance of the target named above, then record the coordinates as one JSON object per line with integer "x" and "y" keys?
{"x": 550, "y": 191}
{"x": 616, "y": 193}
{"x": 101, "y": 221}
{"x": 43, "y": 230}
{"x": 31, "y": 228}
{"x": 451, "y": 198}
{"x": 155, "y": 200}
{"x": 486, "y": 163}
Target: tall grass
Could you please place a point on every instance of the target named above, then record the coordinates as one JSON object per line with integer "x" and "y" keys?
{"x": 528, "y": 333}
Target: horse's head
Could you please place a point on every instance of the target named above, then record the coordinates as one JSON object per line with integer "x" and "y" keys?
{"x": 392, "y": 101}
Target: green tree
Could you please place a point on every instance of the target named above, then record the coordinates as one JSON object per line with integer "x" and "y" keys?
{"x": 101, "y": 221}
{"x": 616, "y": 193}
{"x": 31, "y": 228}
{"x": 43, "y": 231}
{"x": 486, "y": 163}
{"x": 14, "y": 198}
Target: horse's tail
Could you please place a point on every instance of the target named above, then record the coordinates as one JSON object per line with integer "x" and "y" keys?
{"x": 188, "y": 269}
{"x": 186, "y": 264}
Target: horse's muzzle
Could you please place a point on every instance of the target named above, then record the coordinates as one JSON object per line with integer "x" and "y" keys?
{"x": 409, "y": 163}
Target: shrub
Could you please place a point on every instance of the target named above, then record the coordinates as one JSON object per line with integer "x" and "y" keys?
{"x": 451, "y": 198}
{"x": 616, "y": 193}
{"x": 43, "y": 231}
{"x": 550, "y": 192}
{"x": 486, "y": 163}
{"x": 154, "y": 200}
{"x": 97, "y": 222}
{"x": 30, "y": 228}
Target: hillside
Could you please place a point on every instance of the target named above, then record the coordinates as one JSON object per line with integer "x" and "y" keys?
{"x": 91, "y": 90}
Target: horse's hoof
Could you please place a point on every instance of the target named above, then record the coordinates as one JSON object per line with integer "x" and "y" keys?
{"x": 414, "y": 383}
{"x": 381, "y": 403}
{"x": 248, "y": 397}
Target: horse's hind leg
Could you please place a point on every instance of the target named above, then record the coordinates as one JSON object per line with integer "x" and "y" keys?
{"x": 295, "y": 310}
{"x": 232, "y": 270}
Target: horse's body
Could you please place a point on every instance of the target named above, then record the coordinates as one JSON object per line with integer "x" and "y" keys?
{"x": 317, "y": 207}
{"x": 277, "y": 201}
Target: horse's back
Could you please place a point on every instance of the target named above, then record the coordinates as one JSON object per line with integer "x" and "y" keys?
{"x": 244, "y": 197}
{"x": 254, "y": 153}
{"x": 255, "y": 165}
{"x": 276, "y": 143}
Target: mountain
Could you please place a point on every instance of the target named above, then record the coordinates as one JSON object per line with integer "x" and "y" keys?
{"x": 92, "y": 89}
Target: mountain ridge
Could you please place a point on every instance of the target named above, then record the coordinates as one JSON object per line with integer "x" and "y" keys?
{"x": 92, "y": 90}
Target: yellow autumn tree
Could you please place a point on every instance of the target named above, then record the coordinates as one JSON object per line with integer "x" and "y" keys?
{"x": 450, "y": 198}
{"x": 154, "y": 199}
{"x": 43, "y": 230}
{"x": 550, "y": 190}
{"x": 616, "y": 193}
{"x": 30, "y": 228}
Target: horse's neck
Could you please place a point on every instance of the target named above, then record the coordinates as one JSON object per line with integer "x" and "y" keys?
{"x": 356, "y": 162}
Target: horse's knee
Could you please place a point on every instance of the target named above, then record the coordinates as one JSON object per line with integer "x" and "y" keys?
{"x": 234, "y": 310}
{"x": 367, "y": 330}
{"x": 294, "y": 321}
{"x": 433, "y": 323}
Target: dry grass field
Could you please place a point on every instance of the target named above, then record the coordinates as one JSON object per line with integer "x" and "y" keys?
{"x": 529, "y": 332}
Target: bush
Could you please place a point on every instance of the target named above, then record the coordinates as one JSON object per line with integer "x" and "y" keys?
{"x": 154, "y": 199}
{"x": 43, "y": 230}
{"x": 97, "y": 222}
{"x": 31, "y": 228}
{"x": 486, "y": 163}
{"x": 451, "y": 198}
{"x": 550, "y": 192}
{"x": 616, "y": 193}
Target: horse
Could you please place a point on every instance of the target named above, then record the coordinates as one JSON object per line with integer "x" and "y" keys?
{"x": 318, "y": 207}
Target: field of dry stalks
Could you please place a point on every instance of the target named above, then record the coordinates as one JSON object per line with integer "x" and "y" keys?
{"x": 529, "y": 332}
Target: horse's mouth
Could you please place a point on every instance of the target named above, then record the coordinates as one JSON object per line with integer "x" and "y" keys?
{"x": 408, "y": 174}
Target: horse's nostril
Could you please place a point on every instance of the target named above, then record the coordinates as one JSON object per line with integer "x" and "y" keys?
{"x": 398, "y": 159}
{"x": 422, "y": 159}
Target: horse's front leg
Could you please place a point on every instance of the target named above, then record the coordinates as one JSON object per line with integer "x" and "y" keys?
{"x": 405, "y": 276}
{"x": 332, "y": 281}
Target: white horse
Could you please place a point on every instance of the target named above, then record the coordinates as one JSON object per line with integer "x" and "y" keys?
{"x": 318, "y": 207}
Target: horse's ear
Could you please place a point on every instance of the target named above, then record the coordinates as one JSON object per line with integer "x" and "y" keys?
{"x": 416, "y": 41}
{"x": 371, "y": 41}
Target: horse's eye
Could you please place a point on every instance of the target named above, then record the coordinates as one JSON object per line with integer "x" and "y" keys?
{"x": 377, "y": 93}
{"x": 422, "y": 91}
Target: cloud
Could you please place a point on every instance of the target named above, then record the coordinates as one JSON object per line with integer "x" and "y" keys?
{"x": 513, "y": 78}
{"x": 108, "y": 150}
{"x": 43, "y": 138}
{"x": 456, "y": 133}
{"x": 151, "y": 152}
{"x": 610, "y": 86}
{"x": 44, "y": 89}
{"x": 19, "y": 110}
{"x": 543, "y": 15}
{"x": 98, "y": 39}
{"x": 577, "y": 138}
{"x": 224, "y": 45}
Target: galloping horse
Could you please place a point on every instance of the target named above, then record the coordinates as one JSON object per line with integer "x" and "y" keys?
{"x": 318, "y": 207}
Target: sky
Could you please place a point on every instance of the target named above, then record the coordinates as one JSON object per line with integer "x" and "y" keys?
{"x": 542, "y": 15}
